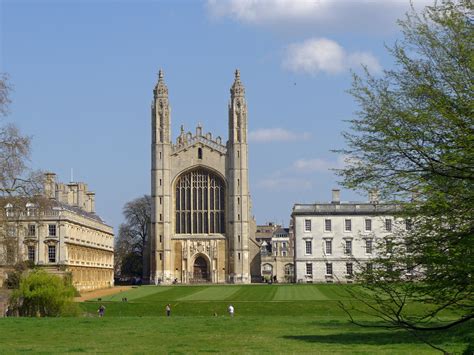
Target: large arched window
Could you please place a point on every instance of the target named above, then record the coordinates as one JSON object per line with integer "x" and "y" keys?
{"x": 200, "y": 203}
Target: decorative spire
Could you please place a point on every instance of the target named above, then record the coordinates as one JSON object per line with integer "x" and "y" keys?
{"x": 161, "y": 90}
{"x": 237, "y": 88}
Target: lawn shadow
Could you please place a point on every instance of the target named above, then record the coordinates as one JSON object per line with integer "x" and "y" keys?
{"x": 369, "y": 338}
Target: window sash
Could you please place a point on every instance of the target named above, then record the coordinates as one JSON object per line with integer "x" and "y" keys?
{"x": 349, "y": 269}
{"x": 347, "y": 225}
{"x": 368, "y": 246}
{"x": 348, "y": 247}
{"x": 368, "y": 224}
{"x": 328, "y": 268}
{"x": 52, "y": 253}
{"x": 52, "y": 230}
{"x": 328, "y": 245}
{"x": 327, "y": 225}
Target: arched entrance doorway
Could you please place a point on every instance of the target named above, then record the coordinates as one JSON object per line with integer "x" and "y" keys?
{"x": 200, "y": 270}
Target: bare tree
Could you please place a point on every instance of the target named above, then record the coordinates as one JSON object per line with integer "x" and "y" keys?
{"x": 18, "y": 184}
{"x": 130, "y": 248}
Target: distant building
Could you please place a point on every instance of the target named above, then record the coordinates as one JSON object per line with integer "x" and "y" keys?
{"x": 277, "y": 255}
{"x": 333, "y": 238}
{"x": 264, "y": 234}
{"x": 59, "y": 232}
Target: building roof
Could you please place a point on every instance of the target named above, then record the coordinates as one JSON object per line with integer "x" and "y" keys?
{"x": 344, "y": 208}
{"x": 79, "y": 211}
{"x": 281, "y": 231}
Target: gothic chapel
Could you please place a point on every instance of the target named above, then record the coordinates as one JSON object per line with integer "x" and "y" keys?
{"x": 201, "y": 226}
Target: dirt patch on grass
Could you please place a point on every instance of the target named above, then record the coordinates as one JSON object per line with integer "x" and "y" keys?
{"x": 100, "y": 293}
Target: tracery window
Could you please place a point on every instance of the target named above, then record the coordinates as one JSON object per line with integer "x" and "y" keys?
{"x": 200, "y": 203}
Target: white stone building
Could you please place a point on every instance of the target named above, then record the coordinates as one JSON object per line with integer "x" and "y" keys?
{"x": 202, "y": 229}
{"x": 333, "y": 238}
{"x": 59, "y": 232}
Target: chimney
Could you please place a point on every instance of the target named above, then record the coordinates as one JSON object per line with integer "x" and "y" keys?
{"x": 90, "y": 205}
{"x": 374, "y": 196}
{"x": 81, "y": 195}
{"x": 49, "y": 185}
{"x": 336, "y": 196}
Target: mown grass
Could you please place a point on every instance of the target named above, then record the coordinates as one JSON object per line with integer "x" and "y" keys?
{"x": 269, "y": 319}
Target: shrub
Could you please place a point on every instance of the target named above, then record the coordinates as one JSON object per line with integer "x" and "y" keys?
{"x": 42, "y": 294}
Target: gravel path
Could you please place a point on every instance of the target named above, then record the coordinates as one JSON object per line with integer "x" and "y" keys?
{"x": 99, "y": 293}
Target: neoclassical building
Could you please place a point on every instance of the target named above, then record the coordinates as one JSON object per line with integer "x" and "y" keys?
{"x": 333, "y": 238}
{"x": 59, "y": 232}
{"x": 202, "y": 230}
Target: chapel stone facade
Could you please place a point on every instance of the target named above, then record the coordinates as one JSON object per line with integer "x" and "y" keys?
{"x": 201, "y": 224}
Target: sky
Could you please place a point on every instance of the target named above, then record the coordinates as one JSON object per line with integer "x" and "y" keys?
{"x": 83, "y": 73}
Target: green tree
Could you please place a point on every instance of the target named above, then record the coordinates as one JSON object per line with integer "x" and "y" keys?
{"x": 413, "y": 140}
{"x": 43, "y": 294}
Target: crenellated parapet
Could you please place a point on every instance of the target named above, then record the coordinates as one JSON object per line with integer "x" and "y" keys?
{"x": 187, "y": 139}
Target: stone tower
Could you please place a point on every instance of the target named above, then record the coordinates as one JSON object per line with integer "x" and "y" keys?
{"x": 200, "y": 193}
{"x": 160, "y": 180}
{"x": 237, "y": 178}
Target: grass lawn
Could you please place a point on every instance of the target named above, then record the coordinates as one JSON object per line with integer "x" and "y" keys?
{"x": 269, "y": 319}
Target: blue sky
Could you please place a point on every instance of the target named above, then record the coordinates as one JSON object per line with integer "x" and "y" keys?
{"x": 83, "y": 74}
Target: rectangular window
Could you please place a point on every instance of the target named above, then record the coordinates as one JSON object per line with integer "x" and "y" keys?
{"x": 368, "y": 224}
{"x": 31, "y": 253}
{"x": 309, "y": 269}
{"x": 368, "y": 246}
{"x": 388, "y": 225}
{"x": 348, "y": 247}
{"x": 408, "y": 224}
{"x": 347, "y": 225}
{"x": 309, "y": 247}
{"x": 52, "y": 230}
{"x": 52, "y": 253}
{"x": 327, "y": 225}
{"x": 284, "y": 253}
{"x": 328, "y": 244}
{"x": 389, "y": 245}
{"x": 328, "y": 268}
{"x": 31, "y": 230}
{"x": 349, "y": 269}
{"x": 307, "y": 225}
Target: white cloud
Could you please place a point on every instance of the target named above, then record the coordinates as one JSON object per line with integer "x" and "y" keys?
{"x": 276, "y": 135}
{"x": 318, "y": 164}
{"x": 324, "y": 55}
{"x": 347, "y": 15}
